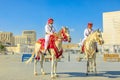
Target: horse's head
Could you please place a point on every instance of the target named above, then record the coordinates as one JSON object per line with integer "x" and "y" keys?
{"x": 65, "y": 34}
{"x": 98, "y": 37}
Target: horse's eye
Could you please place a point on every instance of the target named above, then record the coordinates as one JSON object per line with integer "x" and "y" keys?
{"x": 99, "y": 35}
{"x": 68, "y": 31}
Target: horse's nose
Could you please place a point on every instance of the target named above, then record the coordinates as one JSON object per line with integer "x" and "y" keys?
{"x": 102, "y": 42}
{"x": 69, "y": 40}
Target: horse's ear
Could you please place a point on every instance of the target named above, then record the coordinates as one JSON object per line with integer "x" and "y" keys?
{"x": 63, "y": 27}
{"x": 66, "y": 26}
{"x": 98, "y": 30}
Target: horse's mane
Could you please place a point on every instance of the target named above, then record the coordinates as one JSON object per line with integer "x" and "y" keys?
{"x": 59, "y": 32}
{"x": 90, "y": 39}
{"x": 90, "y": 36}
{"x": 89, "y": 42}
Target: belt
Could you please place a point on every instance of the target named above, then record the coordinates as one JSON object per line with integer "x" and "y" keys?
{"x": 46, "y": 33}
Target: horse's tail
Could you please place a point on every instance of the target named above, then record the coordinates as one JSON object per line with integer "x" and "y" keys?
{"x": 30, "y": 59}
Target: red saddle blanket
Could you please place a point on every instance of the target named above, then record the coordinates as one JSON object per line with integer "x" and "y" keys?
{"x": 51, "y": 45}
{"x": 83, "y": 50}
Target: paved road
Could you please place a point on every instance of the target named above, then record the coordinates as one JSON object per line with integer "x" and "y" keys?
{"x": 11, "y": 68}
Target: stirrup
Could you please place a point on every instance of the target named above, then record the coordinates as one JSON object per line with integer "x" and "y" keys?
{"x": 97, "y": 50}
{"x": 44, "y": 54}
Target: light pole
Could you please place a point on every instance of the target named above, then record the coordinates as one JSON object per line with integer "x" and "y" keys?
{"x": 68, "y": 53}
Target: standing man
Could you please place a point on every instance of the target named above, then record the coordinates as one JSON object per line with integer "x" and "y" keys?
{"x": 87, "y": 32}
{"x": 49, "y": 30}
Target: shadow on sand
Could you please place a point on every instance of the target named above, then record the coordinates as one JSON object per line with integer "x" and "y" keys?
{"x": 109, "y": 74}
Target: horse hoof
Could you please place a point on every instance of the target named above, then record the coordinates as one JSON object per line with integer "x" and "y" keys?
{"x": 56, "y": 75}
{"x": 43, "y": 73}
{"x": 52, "y": 77}
{"x": 35, "y": 74}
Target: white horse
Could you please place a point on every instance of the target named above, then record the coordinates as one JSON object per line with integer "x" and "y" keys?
{"x": 55, "y": 49}
{"x": 90, "y": 50}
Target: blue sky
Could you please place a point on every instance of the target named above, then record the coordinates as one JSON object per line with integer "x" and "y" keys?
{"x": 19, "y": 15}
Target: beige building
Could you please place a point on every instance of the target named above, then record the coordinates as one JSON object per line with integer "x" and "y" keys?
{"x": 6, "y": 37}
{"x": 70, "y": 46}
{"x": 111, "y": 28}
{"x": 20, "y": 49}
{"x": 20, "y": 40}
{"x": 13, "y": 49}
{"x": 111, "y": 32}
{"x": 31, "y": 36}
{"x": 19, "y": 44}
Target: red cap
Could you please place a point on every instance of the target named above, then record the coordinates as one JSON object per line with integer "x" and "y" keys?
{"x": 50, "y": 21}
{"x": 90, "y": 23}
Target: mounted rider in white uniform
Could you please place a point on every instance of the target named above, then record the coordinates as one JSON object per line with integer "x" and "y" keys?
{"x": 87, "y": 32}
{"x": 49, "y": 30}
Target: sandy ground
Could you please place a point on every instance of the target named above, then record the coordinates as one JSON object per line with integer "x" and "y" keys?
{"x": 12, "y": 68}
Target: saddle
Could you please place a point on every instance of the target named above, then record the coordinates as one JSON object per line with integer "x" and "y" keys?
{"x": 83, "y": 49}
{"x": 51, "y": 45}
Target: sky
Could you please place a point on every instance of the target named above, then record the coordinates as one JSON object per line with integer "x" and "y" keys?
{"x": 19, "y": 15}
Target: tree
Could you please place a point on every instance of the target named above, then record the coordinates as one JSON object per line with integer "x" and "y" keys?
{"x": 2, "y": 48}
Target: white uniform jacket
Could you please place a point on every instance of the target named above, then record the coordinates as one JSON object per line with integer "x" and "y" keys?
{"x": 49, "y": 30}
{"x": 87, "y": 32}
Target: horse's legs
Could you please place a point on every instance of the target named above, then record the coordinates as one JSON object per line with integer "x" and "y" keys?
{"x": 87, "y": 67}
{"x": 41, "y": 63}
{"x": 95, "y": 68}
{"x": 35, "y": 67}
{"x": 93, "y": 64}
{"x": 37, "y": 47}
{"x": 95, "y": 71}
{"x": 52, "y": 65}
{"x": 55, "y": 68}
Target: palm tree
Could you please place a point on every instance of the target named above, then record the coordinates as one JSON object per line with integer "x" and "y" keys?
{"x": 2, "y": 48}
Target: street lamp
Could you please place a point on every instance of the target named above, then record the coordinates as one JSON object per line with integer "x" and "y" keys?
{"x": 68, "y": 53}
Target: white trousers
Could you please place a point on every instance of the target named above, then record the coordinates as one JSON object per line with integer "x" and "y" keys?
{"x": 47, "y": 36}
{"x": 83, "y": 41}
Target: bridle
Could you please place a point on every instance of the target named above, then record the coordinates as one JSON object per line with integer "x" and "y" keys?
{"x": 64, "y": 36}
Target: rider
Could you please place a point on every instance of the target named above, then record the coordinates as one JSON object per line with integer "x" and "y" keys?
{"x": 87, "y": 32}
{"x": 49, "y": 30}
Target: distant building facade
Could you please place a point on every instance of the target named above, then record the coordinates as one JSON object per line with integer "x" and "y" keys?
{"x": 19, "y": 44}
{"x": 111, "y": 28}
{"x": 31, "y": 36}
{"x": 20, "y": 49}
{"x": 20, "y": 40}
{"x": 7, "y": 37}
{"x": 111, "y": 32}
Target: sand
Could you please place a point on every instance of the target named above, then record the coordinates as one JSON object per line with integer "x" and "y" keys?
{"x": 12, "y": 68}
